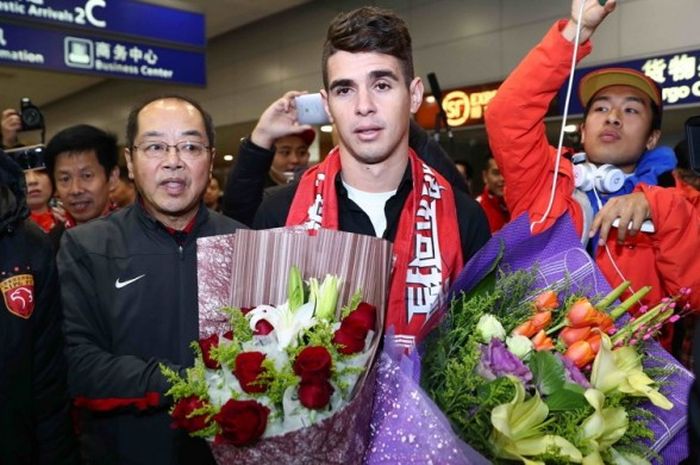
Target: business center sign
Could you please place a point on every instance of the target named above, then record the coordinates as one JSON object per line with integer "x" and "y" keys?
{"x": 105, "y": 37}
{"x": 677, "y": 74}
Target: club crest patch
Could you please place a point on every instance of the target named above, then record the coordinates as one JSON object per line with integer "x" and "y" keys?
{"x": 18, "y": 293}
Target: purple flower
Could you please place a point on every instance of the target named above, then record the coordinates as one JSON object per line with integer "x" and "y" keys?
{"x": 573, "y": 374}
{"x": 497, "y": 361}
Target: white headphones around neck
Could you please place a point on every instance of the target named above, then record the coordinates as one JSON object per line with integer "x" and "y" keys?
{"x": 605, "y": 179}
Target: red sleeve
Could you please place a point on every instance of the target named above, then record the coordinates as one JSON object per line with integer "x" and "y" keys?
{"x": 517, "y": 136}
{"x": 677, "y": 240}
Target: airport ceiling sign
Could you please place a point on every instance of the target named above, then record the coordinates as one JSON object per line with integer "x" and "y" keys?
{"x": 677, "y": 74}
{"x": 57, "y": 50}
{"x": 111, "y": 38}
{"x": 123, "y": 18}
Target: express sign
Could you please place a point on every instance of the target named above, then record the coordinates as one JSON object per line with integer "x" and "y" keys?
{"x": 463, "y": 107}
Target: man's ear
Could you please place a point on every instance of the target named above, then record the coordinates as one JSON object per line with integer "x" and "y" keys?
{"x": 582, "y": 130}
{"x": 211, "y": 163}
{"x": 129, "y": 163}
{"x": 113, "y": 178}
{"x": 324, "y": 95}
{"x": 653, "y": 139}
{"x": 416, "y": 90}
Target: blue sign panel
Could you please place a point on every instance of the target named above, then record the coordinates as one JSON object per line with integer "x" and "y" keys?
{"x": 121, "y": 17}
{"x": 79, "y": 53}
{"x": 678, "y": 76}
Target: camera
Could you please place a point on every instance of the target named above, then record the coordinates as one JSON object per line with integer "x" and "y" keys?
{"x": 29, "y": 158}
{"x": 30, "y": 115}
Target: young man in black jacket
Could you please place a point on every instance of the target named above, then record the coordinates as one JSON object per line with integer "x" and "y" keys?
{"x": 35, "y": 426}
{"x": 129, "y": 289}
{"x": 373, "y": 183}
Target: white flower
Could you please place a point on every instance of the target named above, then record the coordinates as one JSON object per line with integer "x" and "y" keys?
{"x": 489, "y": 327}
{"x": 286, "y": 323}
{"x": 520, "y": 346}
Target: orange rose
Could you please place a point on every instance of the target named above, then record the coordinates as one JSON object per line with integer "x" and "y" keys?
{"x": 570, "y": 335}
{"x": 546, "y": 301}
{"x": 542, "y": 342}
{"x": 583, "y": 313}
{"x": 581, "y": 353}
{"x": 537, "y": 322}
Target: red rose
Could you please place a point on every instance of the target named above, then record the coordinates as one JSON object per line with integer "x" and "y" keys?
{"x": 313, "y": 363}
{"x": 206, "y": 345}
{"x": 363, "y": 317}
{"x": 348, "y": 343}
{"x": 248, "y": 368}
{"x": 182, "y": 414}
{"x": 241, "y": 421}
{"x": 228, "y": 335}
{"x": 262, "y": 328}
{"x": 315, "y": 394}
{"x": 353, "y": 330}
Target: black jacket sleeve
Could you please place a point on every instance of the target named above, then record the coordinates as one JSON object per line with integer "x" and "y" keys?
{"x": 246, "y": 182}
{"x": 54, "y": 432}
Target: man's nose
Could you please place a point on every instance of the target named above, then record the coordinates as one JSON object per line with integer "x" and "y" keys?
{"x": 614, "y": 117}
{"x": 365, "y": 102}
{"x": 172, "y": 158}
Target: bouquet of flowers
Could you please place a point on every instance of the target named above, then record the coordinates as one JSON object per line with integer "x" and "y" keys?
{"x": 284, "y": 372}
{"x": 278, "y": 369}
{"x": 531, "y": 365}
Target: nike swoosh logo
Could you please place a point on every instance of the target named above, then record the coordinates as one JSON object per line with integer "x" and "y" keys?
{"x": 119, "y": 284}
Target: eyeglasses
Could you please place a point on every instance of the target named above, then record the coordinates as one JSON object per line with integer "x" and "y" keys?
{"x": 186, "y": 149}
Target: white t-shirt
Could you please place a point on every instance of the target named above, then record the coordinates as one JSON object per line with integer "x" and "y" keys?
{"x": 372, "y": 203}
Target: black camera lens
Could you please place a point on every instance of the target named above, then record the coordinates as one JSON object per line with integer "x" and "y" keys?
{"x": 30, "y": 115}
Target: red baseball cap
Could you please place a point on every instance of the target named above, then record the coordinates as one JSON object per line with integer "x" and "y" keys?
{"x": 599, "y": 79}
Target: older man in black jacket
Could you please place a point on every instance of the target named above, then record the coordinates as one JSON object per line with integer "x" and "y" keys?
{"x": 34, "y": 423}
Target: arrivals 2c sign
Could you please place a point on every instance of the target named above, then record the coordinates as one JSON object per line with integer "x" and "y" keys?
{"x": 112, "y": 38}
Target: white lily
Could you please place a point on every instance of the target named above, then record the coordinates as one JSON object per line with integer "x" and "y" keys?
{"x": 286, "y": 323}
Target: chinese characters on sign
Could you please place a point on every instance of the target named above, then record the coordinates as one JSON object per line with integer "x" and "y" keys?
{"x": 678, "y": 76}
{"x": 126, "y": 50}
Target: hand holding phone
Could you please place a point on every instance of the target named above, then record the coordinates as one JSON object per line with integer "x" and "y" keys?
{"x": 310, "y": 109}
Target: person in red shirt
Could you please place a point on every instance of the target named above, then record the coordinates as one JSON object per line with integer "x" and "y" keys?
{"x": 491, "y": 199}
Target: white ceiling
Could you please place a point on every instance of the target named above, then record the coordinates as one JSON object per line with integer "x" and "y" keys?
{"x": 44, "y": 87}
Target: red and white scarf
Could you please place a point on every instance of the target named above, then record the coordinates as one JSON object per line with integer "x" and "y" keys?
{"x": 427, "y": 247}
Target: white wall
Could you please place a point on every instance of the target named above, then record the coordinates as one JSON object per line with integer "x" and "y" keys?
{"x": 463, "y": 41}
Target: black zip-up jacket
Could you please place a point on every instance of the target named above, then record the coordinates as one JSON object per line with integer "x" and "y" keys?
{"x": 34, "y": 422}
{"x": 129, "y": 290}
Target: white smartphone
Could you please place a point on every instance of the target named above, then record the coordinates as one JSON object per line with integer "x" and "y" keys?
{"x": 647, "y": 226}
{"x": 310, "y": 109}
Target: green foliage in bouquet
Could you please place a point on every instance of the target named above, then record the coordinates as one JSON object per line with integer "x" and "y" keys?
{"x": 452, "y": 355}
{"x": 530, "y": 401}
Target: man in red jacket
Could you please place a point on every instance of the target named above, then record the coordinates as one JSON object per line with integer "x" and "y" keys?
{"x": 621, "y": 129}
{"x": 491, "y": 199}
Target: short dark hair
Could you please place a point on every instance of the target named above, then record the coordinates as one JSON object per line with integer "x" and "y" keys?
{"x": 655, "y": 113}
{"x": 81, "y": 138}
{"x": 132, "y": 123}
{"x": 369, "y": 29}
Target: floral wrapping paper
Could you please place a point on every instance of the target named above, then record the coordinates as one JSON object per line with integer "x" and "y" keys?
{"x": 244, "y": 269}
